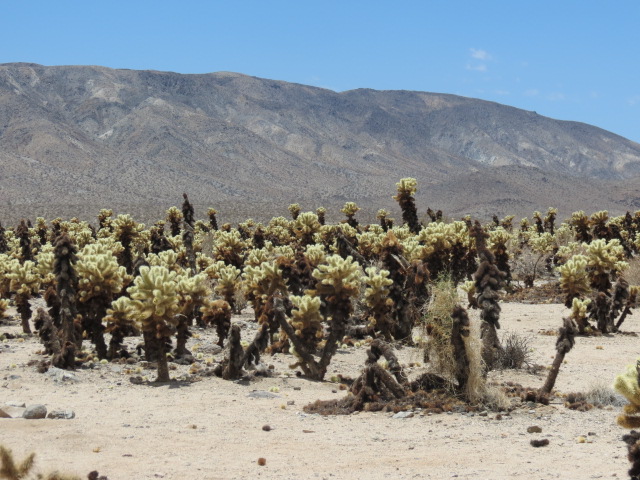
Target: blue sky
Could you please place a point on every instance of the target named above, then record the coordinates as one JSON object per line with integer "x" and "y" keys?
{"x": 571, "y": 60}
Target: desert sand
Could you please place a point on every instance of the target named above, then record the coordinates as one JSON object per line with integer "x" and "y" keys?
{"x": 213, "y": 429}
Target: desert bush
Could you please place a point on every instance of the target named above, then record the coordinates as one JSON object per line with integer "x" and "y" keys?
{"x": 515, "y": 353}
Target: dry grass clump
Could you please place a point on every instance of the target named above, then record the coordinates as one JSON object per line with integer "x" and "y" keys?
{"x": 437, "y": 325}
{"x": 516, "y": 352}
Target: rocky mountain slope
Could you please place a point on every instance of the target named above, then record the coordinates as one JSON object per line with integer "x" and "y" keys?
{"x": 75, "y": 139}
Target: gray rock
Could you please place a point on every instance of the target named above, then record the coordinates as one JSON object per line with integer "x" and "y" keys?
{"x": 61, "y": 376}
{"x": 262, "y": 394}
{"x": 403, "y": 415}
{"x": 483, "y": 413}
{"x": 61, "y": 414}
{"x": 16, "y": 404}
{"x": 11, "y": 412}
{"x": 33, "y": 412}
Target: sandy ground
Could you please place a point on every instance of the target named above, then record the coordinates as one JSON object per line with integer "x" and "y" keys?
{"x": 212, "y": 429}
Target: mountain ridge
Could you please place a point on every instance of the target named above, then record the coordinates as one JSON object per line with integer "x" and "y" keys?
{"x": 91, "y": 135}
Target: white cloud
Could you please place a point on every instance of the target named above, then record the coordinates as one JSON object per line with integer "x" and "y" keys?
{"x": 532, "y": 92}
{"x": 633, "y": 101}
{"x": 502, "y": 92}
{"x": 556, "y": 96}
{"x": 477, "y": 68}
{"x": 479, "y": 54}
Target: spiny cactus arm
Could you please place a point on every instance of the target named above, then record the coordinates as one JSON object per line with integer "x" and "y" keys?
{"x": 8, "y": 467}
{"x": 627, "y": 385}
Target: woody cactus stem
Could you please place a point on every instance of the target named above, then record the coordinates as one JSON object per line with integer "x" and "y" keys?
{"x": 187, "y": 234}
{"x": 406, "y": 190}
{"x": 459, "y": 331}
{"x": 566, "y": 341}
{"x": 488, "y": 282}
{"x": 66, "y": 280}
{"x": 22, "y": 232}
{"x": 213, "y": 221}
{"x": 3, "y": 240}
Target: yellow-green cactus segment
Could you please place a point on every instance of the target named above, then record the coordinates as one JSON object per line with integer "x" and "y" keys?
{"x": 542, "y": 242}
{"x": 192, "y": 290}
{"x": 338, "y": 276}
{"x": 167, "y": 258}
{"x": 228, "y": 278}
{"x": 99, "y": 275}
{"x": 23, "y": 279}
{"x": 294, "y": 209}
{"x": 579, "y": 309}
{"x": 406, "y": 186}
{"x": 574, "y": 278}
{"x": 469, "y": 287}
{"x": 350, "y": 208}
{"x": 44, "y": 264}
{"x": 4, "y": 305}
{"x": 154, "y": 296}
{"x": 306, "y": 224}
{"x": 315, "y": 254}
{"x": 377, "y": 292}
{"x": 264, "y": 280}
{"x": 121, "y": 313}
{"x": 306, "y": 318}
{"x": 627, "y": 385}
{"x": 605, "y": 256}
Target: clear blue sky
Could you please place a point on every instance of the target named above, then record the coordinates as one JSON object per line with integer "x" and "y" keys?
{"x": 571, "y": 60}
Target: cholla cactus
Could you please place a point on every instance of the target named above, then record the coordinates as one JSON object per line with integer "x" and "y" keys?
{"x": 382, "y": 216}
{"x": 321, "y": 212}
{"x": 599, "y": 222}
{"x": 156, "y": 304}
{"x": 549, "y": 220}
{"x": 307, "y": 320}
{"x": 213, "y": 221}
{"x": 350, "y": 209}
{"x": 25, "y": 282}
{"x": 378, "y": 301}
{"x": 100, "y": 279}
{"x": 407, "y": 188}
{"x": 305, "y": 226}
{"x": 218, "y": 313}
{"x": 104, "y": 219}
{"x": 337, "y": 282}
{"x": 174, "y": 217}
{"x": 4, "y": 305}
{"x": 626, "y": 384}
{"x": 119, "y": 322}
{"x": 126, "y": 229}
{"x": 605, "y": 260}
{"x": 579, "y": 310}
{"x": 193, "y": 293}
{"x": 294, "y": 210}
{"x": 228, "y": 284}
{"x": 580, "y": 223}
{"x": 22, "y": 232}
{"x": 229, "y": 248}
{"x": 574, "y": 278}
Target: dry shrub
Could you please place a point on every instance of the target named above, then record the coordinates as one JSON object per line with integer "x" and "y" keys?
{"x": 437, "y": 324}
{"x": 604, "y": 395}
{"x": 632, "y": 273}
{"x": 515, "y": 354}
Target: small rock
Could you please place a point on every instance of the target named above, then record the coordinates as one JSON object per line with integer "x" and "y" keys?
{"x": 11, "y": 412}
{"x": 539, "y": 443}
{"x": 16, "y": 404}
{"x": 59, "y": 376}
{"x": 33, "y": 412}
{"x": 484, "y": 413}
{"x": 291, "y": 402}
{"x": 499, "y": 416}
{"x": 262, "y": 461}
{"x": 403, "y": 415}
{"x": 61, "y": 414}
{"x": 534, "y": 429}
{"x": 136, "y": 380}
{"x": 266, "y": 428}
{"x": 262, "y": 394}
{"x": 581, "y": 439}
